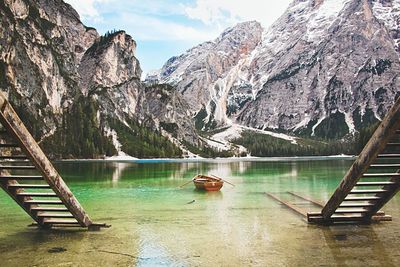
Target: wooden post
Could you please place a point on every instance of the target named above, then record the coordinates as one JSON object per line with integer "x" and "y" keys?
{"x": 375, "y": 145}
{"x": 15, "y": 127}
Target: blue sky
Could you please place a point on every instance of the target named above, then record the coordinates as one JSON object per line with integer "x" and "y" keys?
{"x": 165, "y": 28}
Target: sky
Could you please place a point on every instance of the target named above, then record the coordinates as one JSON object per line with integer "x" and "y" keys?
{"x": 166, "y": 28}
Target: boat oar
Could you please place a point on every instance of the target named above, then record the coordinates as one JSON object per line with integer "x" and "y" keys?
{"x": 186, "y": 183}
{"x": 222, "y": 180}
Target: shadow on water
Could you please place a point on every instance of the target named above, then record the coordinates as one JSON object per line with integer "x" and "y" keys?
{"x": 350, "y": 242}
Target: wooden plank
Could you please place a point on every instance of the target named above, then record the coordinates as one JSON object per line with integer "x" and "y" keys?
{"x": 9, "y": 145}
{"x": 373, "y": 175}
{"x": 361, "y": 198}
{"x": 356, "y": 205}
{"x": 352, "y": 218}
{"x": 385, "y": 166}
{"x": 379, "y": 213}
{"x": 14, "y": 157}
{"x": 56, "y": 209}
{"x": 373, "y": 191}
{"x": 382, "y": 156}
{"x": 16, "y": 129}
{"x": 351, "y": 211}
{"x": 34, "y": 194}
{"x": 21, "y": 177}
{"x": 17, "y": 167}
{"x": 386, "y": 218}
{"x": 374, "y": 147}
{"x": 54, "y": 215}
{"x": 299, "y": 211}
{"x": 44, "y": 202}
{"x": 375, "y": 183}
{"x": 307, "y": 199}
{"x": 30, "y": 186}
{"x": 58, "y": 221}
{"x": 5, "y": 162}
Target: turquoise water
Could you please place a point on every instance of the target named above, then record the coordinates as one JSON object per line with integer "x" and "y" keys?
{"x": 157, "y": 223}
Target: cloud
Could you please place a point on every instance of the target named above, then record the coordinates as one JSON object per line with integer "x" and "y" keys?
{"x": 152, "y": 28}
{"x": 87, "y": 9}
{"x": 145, "y": 20}
{"x": 227, "y": 12}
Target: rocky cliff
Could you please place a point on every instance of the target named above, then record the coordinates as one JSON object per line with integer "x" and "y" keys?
{"x": 79, "y": 93}
{"x": 324, "y": 68}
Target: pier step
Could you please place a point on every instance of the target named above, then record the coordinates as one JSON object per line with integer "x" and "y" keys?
{"x": 343, "y": 218}
{"x": 13, "y": 157}
{"x": 356, "y": 205}
{"x": 55, "y": 215}
{"x": 29, "y": 194}
{"x": 385, "y": 166}
{"x": 389, "y": 156}
{"x": 373, "y": 175}
{"x": 29, "y": 186}
{"x": 55, "y": 209}
{"x": 351, "y": 211}
{"x": 9, "y": 145}
{"x": 17, "y": 167}
{"x": 375, "y": 183}
{"x": 361, "y": 198}
{"x": 393, "y": 144}
{"x": 44, "y": 202}
{"x": 57, "y": 221}
{"x": 375, "y": 191}
{"x": 21, "y": 177}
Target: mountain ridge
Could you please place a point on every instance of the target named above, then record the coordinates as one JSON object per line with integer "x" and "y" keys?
{"x": 80, "y": 93}
{"x": 322, "y": 64}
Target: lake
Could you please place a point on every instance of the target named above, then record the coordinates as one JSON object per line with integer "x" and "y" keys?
{"x": 156, "y": 223}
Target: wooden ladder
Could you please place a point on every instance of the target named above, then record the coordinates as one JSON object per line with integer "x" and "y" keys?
{"x": 27, "y": 175}
{"x": 371, "y": 181}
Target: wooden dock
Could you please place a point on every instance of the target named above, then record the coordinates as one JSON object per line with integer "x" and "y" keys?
{"x": 43, "y": 195}
{"x": 371, "y": 181}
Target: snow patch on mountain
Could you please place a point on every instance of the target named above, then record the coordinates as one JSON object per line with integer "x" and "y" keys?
{"x": 223, "y": 140}
{"x": 323, "y": 17}
{"x": 388, "y": 12}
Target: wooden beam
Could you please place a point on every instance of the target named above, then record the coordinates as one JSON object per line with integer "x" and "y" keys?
{"x": 376, "y": 144}
{"x": 290, "y": 206}
{"x": 307, "y": 198}
{"x": 16, "y": 129}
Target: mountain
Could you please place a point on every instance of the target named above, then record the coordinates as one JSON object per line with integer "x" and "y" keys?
{"x": 80, "y": 93}
{"x": 325, "y": 68}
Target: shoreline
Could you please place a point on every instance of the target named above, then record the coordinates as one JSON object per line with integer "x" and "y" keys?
{"x": 199, "y": 159}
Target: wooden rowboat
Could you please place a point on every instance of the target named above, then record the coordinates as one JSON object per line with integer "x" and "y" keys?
{"x": 204, "y": 182}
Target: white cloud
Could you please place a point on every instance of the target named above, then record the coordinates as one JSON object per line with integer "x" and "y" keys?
{"x": 87, "y": 8}
{"x": 151, "y": 28}
{"x": 223, "y": 12}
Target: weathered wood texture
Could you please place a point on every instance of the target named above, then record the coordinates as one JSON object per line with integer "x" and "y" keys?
{"x": 25, "y": 141}
{"x": 287, "y": 204}
{"x": 5, "y": 186}
{"x": 392, "y": 190}
{"x": 376, "y": 144}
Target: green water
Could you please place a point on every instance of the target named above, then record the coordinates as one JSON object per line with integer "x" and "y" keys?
{"x": 155, "y": 223}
